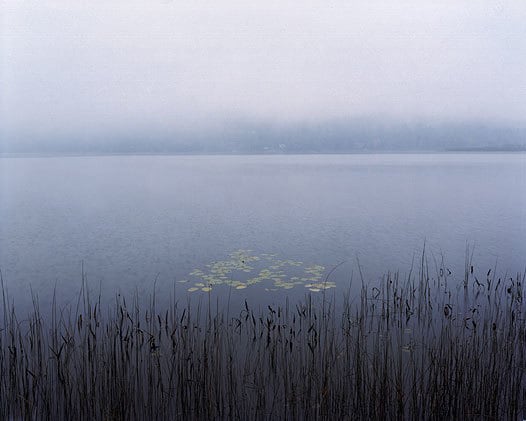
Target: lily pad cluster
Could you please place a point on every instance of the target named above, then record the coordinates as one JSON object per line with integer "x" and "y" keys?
{"x": 243, "y": 268}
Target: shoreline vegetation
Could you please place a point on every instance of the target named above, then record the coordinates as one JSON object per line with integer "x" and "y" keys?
{"x": 429, "y": 346}
{"x": 448, "y": 151}
{"x": 253, "y": 136}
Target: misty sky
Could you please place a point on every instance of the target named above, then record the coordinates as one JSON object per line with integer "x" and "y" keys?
{"x": 138, "y": 65}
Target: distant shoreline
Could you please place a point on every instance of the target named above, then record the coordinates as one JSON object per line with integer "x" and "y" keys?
{"x": 365, "y": 152}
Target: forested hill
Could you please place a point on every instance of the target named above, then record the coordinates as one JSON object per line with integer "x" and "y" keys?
{"x": 329, "y": 137}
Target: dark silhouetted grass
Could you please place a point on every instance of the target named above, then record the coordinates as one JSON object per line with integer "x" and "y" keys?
{"x": 426, "y": 347}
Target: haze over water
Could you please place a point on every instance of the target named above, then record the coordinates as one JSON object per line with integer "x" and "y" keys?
{"x": 268, "y": 78}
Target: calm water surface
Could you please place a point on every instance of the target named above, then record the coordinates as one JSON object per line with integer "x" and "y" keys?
{"x": 131, "y": 220}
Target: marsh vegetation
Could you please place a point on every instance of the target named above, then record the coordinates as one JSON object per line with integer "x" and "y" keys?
{"x": 426, "y": 346}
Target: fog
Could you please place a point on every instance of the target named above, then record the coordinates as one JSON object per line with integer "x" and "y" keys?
{"x": 261, "y": 76}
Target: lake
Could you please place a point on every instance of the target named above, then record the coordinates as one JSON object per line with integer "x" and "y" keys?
{"x": 254, "y": 227}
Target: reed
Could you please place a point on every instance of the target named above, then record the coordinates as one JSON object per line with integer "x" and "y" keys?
{"x": 421, "y": 347}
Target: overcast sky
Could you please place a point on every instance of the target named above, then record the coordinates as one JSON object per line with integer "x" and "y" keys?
{"x": 114, "y": 66}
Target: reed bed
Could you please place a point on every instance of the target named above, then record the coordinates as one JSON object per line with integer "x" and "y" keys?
{"x": 422, "y": 347}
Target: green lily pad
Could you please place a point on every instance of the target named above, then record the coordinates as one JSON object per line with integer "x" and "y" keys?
{"x": 243, "y": 268}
